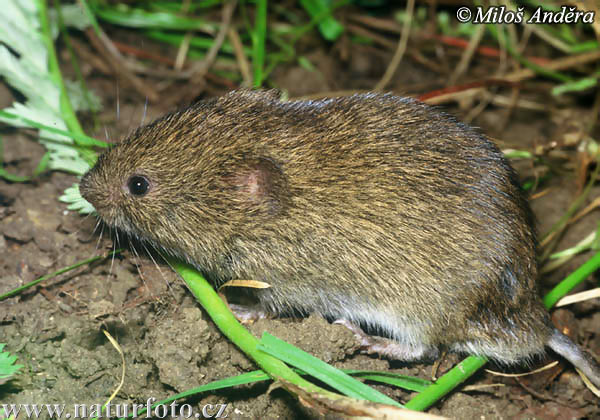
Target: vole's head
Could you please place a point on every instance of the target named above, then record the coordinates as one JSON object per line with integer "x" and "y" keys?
{"x": 186, "y": 182}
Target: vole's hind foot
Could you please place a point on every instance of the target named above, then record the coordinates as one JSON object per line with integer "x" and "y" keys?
{"x": 247, "y": 314}
{"x": 436, "y": 366}
{"x": 387, "y": 347}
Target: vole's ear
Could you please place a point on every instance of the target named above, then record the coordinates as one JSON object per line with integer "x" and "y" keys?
{"x": 259, "y": 186}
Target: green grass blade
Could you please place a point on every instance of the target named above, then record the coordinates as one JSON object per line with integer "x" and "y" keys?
{"x": 518, "y": 154}
{"x": 413, "y": 384}
{"x": 406, "y": 382}
{"x": 326, "y": 373}
{"x": 409, "y": 383}
{"x": 42, "y": 164}
{"x": 243, "y": 379}
{"x": 176, "y": 7}
{"x": 131, "y": 17}
{"x": 196, "y": 41}
{"x": 584, "y": 46}
{"x": 234, "y": 331}
{"x": 18, "y": 290}
{"x": 81, "y": 139}
{"x": 576, "y": 85}
{"x": 259, "y": 36}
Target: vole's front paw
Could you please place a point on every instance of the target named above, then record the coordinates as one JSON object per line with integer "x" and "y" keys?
{"x": 247, "y": 314}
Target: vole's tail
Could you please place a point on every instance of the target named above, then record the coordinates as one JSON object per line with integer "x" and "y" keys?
{"x": 563, "y": 345}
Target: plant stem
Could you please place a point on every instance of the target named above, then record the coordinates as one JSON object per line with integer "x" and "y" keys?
{"x": 66, "y": 108}
{"x": 65, "y": 104}
{"x": 234, "y": 331}
{"x": 572, "y": 280}
{"x": 259, "y": 36}
{"x": 454, "y": 377}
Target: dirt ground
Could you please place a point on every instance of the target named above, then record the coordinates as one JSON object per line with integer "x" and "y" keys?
{"x": 170, "y": 344}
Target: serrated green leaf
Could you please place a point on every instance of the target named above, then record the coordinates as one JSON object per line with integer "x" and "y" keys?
{"x": 19, "y": 29}
{"x": 73, "y": 16}
{"x": 26, "y": 78}
{"x": 24, "y": 65}
{"x": 75, "y": 201}
{"x": 79, "y": 100}
{"x": 7, "y": 364}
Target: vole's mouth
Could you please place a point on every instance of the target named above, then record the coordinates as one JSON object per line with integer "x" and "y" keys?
{"x": 112, "y": 219}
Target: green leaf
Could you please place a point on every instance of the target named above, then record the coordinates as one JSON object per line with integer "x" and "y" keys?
{"x": 329, "y": 27}
{"x": 410, "y": 383}
{"x": 7, "y": 364}
{"x": 19, "y": 29}
{"x": 73, "y": 16}
{"x": 75, "y": 201}
{"x": 321, "y": 370}
{"x": 407, "y": 382}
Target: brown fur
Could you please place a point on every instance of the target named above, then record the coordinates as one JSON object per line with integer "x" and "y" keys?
{"x": 372, "y": 208}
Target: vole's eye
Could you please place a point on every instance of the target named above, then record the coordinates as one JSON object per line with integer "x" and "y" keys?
{"x": 138, "y": 185}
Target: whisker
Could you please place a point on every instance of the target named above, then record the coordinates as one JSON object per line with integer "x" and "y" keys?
{"x": 89, "y": 237}
{"x": 137, "y": 263}
{"x": 112, "y": 258}
{"x": 162, "y": 274}
{"x": 166, "y": 260}
{"x": 106, "y": 134}
{"x": 100, "y": 225}
{"x": 118, "y": 102}
{"x": 116, "y": 236}
{"x": 145, "y": 112}
{"x": 136, "y": 256}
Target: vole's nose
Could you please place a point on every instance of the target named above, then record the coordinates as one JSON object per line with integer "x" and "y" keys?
{"x": 100, "y": 192}
{"x": 85, "y": 186}
{"x": 91, "y": 189}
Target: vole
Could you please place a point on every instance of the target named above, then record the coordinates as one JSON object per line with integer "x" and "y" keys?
{"x": 374, "y": 210}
